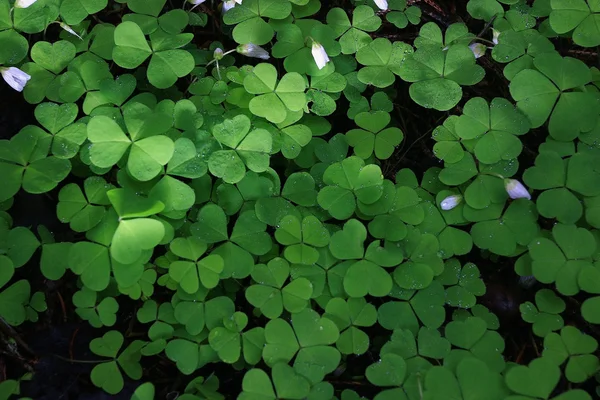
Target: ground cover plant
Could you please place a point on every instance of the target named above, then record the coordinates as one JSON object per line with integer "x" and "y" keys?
{"x": 299, "y": 199}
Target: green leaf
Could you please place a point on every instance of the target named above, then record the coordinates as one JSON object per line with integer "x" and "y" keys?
{"x": 536, "y": 380}
{"x": 437, "y": 75}
{"x": 390, "y": 370}
{"x": 53, "y": 57}
{"x": 75, "y": 11}
{"x": 12, "y": 302}
{"x": 579, "y": 17}
{"x": 131, "y": 48}
{"x": 211, "y": 225}
{"x": 133, "y": 236}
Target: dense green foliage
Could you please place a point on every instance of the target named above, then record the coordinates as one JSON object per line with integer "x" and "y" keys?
{"x": 210, "y": 188}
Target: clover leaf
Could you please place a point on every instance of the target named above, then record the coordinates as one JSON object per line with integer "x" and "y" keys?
{"x": 472, "y": 378}
{"x": 107, "y": 375}
{"x": 518, "y": 49}
{"x": 504, "y": 236}
{"x": 310, "y": 336}
{"x": 431, "y": 34}
{"x": 464, "y": 283}
{"x": 75, "y": 11}
{"x": 400, "y": 15}
{"x": 13, "y": 298}
{"x": 67, "y": 137}
{"x": 192, "y": 272}
{"x": 149, "y": 150}
{"x": 270, "y": 295}
{"x": 579, "y": 17}
{"x": 353, "y": 35}
{"x": 98, "y": 314}
{"x": 575, "y": 346}
{"x": 538, "y": 379}
{"x": 426, "y": 305}
{"x": 550, "y": 174}
{"x": 301, "y": 238}
{"x": 473, "y": 335}
{"x": 557, "y": 97}
{"x": 288, "y": 384}
{"x": 349, "y": 181}
{"x": 250, "y": 25}
{"x": 382, "y": 60}
{"x": 565, "y": 259}
{"x": 83, "y": 212}
{"x": 495, "y": 128}
{"x": 423, "y": 262}
{"x": 168, "y": 62}
{"x": 374, "y": 136}
{"x": 275, "y": 100}
{"x": 349, "y": 315}
{"x": 249, "y": 148}
{"x": 25, "y": 163}
{"x": 545, "y": 313}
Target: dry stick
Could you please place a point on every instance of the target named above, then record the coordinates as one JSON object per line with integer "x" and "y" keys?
{"x": 80, "y": 361}
{"x": 418, "y": 139}
{"x": 9, "y": 331}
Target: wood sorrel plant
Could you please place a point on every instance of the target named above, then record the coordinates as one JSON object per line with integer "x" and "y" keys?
{"x": 233, "y": 182}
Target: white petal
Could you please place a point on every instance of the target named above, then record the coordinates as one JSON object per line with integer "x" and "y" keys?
{"x": 320, "y": 55}
{"x": 228, "y": 5}
{"x": 382, "y": 4}
{"x": 495, "y": 34}
{"x": 69, "y": 29}
{"x": 16, "y": 78}
{"x": 478, "y": 49}
{"x": 253, "y": 50}
{"x": 516, "y": 190}
{"x": 450, "y": 202}
{"x": 24, "y": 3}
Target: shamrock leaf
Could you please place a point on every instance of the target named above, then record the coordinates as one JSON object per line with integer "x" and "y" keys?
{"x": 438, "y": 75}
{"x": 556, "y": 96}
{"x": 373, "y": 137}
{"x": 545, "y": 317}
{"x": 275, "y": 100}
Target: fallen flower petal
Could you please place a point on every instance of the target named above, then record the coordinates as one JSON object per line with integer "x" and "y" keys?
{"x": 516, "y": 190}
{"x": 16, "y": 78}
{"x": 320, "y": 55}
{"x": 24, "y": 3}
{"x": 382, "y": 4}
{"x": 478, "y": 49}
{"x": 253, "y": 50}
{"x": 450, "y": 202}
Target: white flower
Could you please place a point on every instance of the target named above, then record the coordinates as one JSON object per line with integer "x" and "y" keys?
{"x": 495, "y": 34}
{"x": 382, "y": 4}
{"x": 478, "y": 49}
{"x": 218, "y": 54}
{"x": 70, "y": 30}
{"x": 16, "y": 78}
{"x": 450, "y": 202}
{"x": 228, "y": 5}
{"x": 319, "y": 54}
{"x": 24, "y": 3}
{"x": 253, "y": 50}
{"x": 516, "y": 190}
{"x": 196, "y": 3}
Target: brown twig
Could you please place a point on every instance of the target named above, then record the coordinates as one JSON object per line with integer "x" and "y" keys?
{"x": 71, "y": 343}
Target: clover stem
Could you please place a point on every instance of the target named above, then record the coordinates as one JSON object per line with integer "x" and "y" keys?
{"x": 218, "y": 70}
{"x": 493, "y": 174}
{"x": 485, "y": 41}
